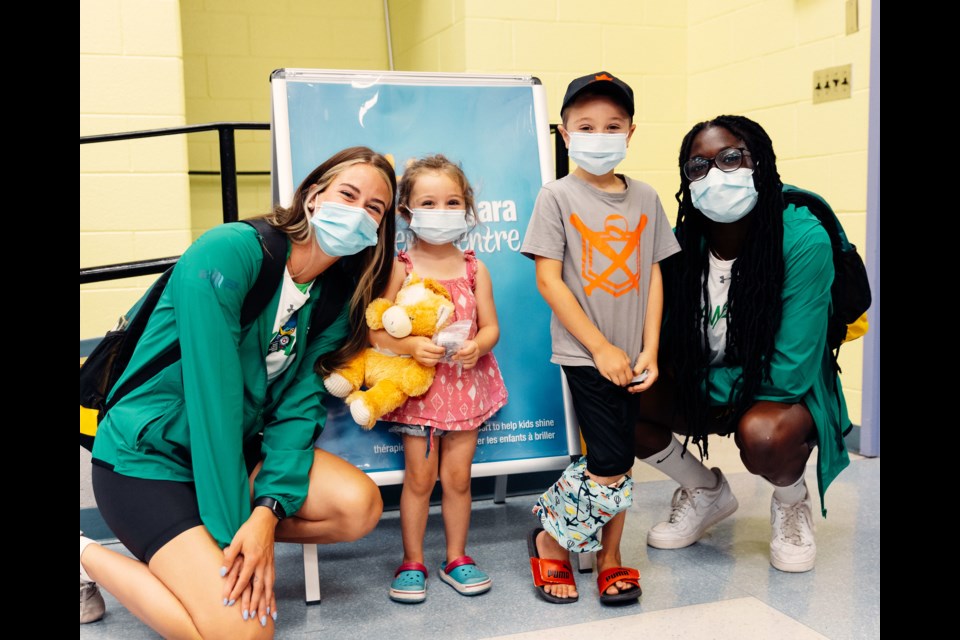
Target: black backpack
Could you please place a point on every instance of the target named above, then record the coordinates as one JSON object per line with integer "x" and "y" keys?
{"x": 850, "y": 292}
{"x": 109, "y": 359}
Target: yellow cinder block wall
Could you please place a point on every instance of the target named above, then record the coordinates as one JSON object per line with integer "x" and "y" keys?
{"x": 643, "y": 42}
{"x": 230, "y": 48}
{"x": 134, "y": 196}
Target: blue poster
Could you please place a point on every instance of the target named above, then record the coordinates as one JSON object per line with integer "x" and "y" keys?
{"x": 494, "y": 132}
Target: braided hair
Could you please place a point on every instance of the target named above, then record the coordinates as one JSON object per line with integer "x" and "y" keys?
{"x": 754, "y": 306}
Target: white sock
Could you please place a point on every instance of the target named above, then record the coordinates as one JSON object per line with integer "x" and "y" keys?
{"x": 792, "y": 493}
{"x": 685, "y": 469}
{"x": 83, "y": 545}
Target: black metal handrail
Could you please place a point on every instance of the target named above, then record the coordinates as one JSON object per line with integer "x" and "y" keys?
{"x": 228, "y": 187}
{"x": 126, "y": 269}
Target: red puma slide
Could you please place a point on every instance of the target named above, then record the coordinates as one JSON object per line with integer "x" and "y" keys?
{"x": 547, "y": 571}
{"x": 614, "y": 575}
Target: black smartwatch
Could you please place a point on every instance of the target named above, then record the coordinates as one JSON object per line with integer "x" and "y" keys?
{"x": 275, "y": 507}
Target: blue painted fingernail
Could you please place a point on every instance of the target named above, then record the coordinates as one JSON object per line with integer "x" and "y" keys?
{"x": 224, "y": 602}
{"x": 232, "y": 602}
{"x": 246, "y": 615}
{"x": 223, "y": 571}
{"x": 268, "y": 609}
{"x": 263, "y": 621}
{"x": 274, "y": 616}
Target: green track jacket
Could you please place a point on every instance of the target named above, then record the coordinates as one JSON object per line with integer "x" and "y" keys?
{"x": 802, "y": 367}
{"x": 190, "y": 421}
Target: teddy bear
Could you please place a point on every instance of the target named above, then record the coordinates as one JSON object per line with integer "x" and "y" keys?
{"x": 422, "y": 308}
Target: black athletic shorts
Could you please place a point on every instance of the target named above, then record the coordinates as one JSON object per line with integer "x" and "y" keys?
{"x": 147, "y": 514}
{"x": 144, "y": 514}
{"x": 607, "y": 414}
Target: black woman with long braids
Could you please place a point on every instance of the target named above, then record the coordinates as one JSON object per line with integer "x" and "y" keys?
{"x": 744, "y": 344}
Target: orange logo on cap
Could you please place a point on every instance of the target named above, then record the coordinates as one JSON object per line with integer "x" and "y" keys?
{"x": 603, "y": 76}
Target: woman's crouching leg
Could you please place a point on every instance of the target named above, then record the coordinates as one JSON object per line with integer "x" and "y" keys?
{"x": 775, "y": 440}
{"x": 343, "y": 504}
{"x": 189, "y": 566}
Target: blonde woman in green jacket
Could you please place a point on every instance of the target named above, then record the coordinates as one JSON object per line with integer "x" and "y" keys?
{"x": 753, "y": 361}
{"x": 200, "y": 469}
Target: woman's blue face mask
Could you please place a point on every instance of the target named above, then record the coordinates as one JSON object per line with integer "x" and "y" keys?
{"x": 343, "y": 230}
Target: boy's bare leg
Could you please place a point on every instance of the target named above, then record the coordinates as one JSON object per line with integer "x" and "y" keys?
{"x": 609, "y": 556}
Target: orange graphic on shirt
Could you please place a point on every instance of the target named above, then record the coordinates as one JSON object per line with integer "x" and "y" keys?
{"x": 605, "y": 261}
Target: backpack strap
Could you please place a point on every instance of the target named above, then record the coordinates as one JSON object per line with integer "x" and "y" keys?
{"x": 847, "y": 267}
{"x": 274, "y": 245}
{"x": 336, "y": 288}
{"x": 836, "y": 325}
{"x": 132, "y": 335}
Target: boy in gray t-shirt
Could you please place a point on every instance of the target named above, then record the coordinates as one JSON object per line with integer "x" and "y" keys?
{"x": 597, "y": 237}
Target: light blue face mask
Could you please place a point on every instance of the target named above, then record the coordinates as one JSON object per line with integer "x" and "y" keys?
{"x": 725, "y": 197}
{"x": 438, "y": 226}
{"x": 597, "y": 153}
{"x": 343, "y": 230}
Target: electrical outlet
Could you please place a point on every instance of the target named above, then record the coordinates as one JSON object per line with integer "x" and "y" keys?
{"x": 832, "y": 83}
{"x": 852, "y": 18}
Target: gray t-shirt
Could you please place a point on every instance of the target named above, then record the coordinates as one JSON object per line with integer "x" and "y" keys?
{"x": 607, "y": 243}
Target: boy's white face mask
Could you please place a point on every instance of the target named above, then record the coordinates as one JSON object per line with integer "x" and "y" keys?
{"x": 597, "y": 153}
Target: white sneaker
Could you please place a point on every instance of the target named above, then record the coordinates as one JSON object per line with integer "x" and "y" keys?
{"x": 92, "y": 606}
{"x": 792, "y": 547}
{"x": 694, "y": 511}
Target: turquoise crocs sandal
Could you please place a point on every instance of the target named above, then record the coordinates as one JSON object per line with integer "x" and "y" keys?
{"x": 463, "y": 575}
{"x": 409, "y": 583}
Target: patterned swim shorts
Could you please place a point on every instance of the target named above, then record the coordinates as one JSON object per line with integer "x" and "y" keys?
{"x": 575, "y": 508}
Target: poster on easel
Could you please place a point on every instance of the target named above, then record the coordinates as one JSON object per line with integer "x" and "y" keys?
{"x": 496, "y": 129}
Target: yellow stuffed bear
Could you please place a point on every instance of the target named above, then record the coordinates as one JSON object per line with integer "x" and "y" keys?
{"x": 423, "y": 307}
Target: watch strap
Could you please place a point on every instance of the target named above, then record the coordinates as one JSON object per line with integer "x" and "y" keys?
{"x": 271, "y": 503}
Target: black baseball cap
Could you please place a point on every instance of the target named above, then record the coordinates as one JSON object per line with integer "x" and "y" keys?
{"x": 603, "y": 83}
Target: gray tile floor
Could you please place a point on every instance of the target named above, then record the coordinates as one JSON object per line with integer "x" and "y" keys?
{"x": 721, "y": 587}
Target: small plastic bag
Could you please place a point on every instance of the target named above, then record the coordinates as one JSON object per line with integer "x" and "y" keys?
{"x": 451, "y": 338}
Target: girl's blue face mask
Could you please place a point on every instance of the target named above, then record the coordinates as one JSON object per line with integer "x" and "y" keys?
{"x": 438, "y": 226}
{"x": 343, "y": 230}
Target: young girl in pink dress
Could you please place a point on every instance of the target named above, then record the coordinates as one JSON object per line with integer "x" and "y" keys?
{"x": 440, "y": 428}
